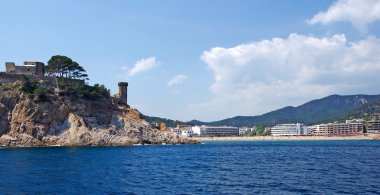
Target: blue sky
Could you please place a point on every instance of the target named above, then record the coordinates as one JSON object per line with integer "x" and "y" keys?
{"x": 205, "y": 60}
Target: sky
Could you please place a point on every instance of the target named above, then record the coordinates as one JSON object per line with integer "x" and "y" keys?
{"x": 205, "y": 60}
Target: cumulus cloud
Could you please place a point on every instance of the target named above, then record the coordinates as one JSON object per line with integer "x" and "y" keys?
{"x": 359, "y": 12}
{"x": 176, "y": 80}
{"x": 143, "y": 65}
{"x": 261, "y": 76}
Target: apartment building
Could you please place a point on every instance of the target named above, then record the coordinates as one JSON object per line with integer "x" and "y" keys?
{"x": 354, "y": 126}
{"x": 374, "y": 124}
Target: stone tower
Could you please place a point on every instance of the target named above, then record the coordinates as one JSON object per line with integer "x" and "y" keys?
{"x": 123, "y": 92}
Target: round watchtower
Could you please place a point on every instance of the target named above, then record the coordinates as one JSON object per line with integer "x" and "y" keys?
{"x": 123, "y": 91}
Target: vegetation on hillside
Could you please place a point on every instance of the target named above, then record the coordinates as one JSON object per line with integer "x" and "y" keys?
{"x": 363, "y": 112}
{"x": 76, "y": 89}
{"x": 168, "y": 122}
{"x": 33, "y": 88}
{"x": 65, "y": 69}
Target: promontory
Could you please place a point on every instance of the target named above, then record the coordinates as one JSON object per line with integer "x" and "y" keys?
{"x": 41, "y": 110}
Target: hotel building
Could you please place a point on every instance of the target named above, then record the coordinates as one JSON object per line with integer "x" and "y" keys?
{"x": 215, "y": 131}
{"x": 289, "y": 130}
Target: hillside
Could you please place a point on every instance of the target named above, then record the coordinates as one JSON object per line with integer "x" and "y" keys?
{"x": 312, "y": 112}
{"x": 316, "y": 111}
{"x": 168, "y": 122}
{"x": 364, "y": 111}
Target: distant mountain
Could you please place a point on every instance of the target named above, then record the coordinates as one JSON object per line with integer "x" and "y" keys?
{"x": 363, "y": 112}
{"x": 197, "y": 122}
{"x": 316, "y": 111}
{"x": 312, "y": 112}
{"x": 168, "y": 122}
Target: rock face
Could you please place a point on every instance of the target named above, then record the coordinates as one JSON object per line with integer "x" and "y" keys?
{"x": 68, "y": 121}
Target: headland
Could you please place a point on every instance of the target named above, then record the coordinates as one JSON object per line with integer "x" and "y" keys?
{"x": 48, "y": 109}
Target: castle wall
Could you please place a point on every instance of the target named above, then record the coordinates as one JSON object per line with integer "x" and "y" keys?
{"x": 29, "y": 68}
{"x": 40, "y": 69}
{"x": 10, "y": 67}
{"x": 26, "y": 70}
{"x": 11, "y": 78}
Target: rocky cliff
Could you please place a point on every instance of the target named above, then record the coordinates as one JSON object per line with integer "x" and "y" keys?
{"x": 66, "y": 121}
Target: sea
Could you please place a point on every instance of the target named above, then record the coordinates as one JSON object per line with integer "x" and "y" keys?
{"x": 219, "y": 167}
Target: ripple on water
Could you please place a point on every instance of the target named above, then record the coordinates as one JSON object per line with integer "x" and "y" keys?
{"x": 273, "y": 167}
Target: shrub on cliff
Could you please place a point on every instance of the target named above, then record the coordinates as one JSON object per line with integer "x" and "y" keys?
{"x": 75, "y": 89}
{"x": 40, "y": 92}
{"x": 33, "y": 89}
{"x": 93, "y": 92}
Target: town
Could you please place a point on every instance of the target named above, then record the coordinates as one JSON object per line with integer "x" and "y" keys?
{"x": 350, "y": 127}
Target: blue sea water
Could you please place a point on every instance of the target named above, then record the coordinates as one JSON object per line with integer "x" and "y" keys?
{"x": 269, "y": 167}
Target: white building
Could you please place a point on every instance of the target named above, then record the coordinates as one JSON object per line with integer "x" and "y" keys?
{"x": 185, "y": 130}
{"x": 215, "y": 131}
{"x": 243, "y": 130}
{"x": 196, "y": 130}
{"x": 289, "y": 129}
{"x": 188, "y": 132}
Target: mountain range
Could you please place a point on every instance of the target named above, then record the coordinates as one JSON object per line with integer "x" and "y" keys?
{"x": 327, "y": 109}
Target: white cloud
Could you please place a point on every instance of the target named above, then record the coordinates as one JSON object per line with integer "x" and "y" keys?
{"x": 143, "y": 65}
{"x": 261, "y": 76}
{"x": 176, "y": 80}
{"x": 359, "y": 12}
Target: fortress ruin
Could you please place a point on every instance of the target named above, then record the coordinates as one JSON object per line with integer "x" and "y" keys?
{"x": 36, "y": 71}
{"x": 33, "y": 70}
{"x": 29, "y": 68}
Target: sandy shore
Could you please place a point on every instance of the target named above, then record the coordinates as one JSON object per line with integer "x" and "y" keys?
{"x": 269, "y": 138}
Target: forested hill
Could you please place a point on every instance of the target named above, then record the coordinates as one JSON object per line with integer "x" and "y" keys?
{"x": 363, "y": 112}
{"x": 312, "y": 112}
{"x": 316, "y": 111}
{"x": 168, "y": 122}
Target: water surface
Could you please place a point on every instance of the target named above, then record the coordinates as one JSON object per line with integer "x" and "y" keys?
{"x": 245, "y": 167}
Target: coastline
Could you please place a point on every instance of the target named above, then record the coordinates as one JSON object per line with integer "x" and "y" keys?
{"x": 294, "y": 138}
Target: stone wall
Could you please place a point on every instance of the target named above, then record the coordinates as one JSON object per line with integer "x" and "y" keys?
{"x": 9, "y": 78}
{"x": 25, "y": 70}
{"x": 52, "y": 81}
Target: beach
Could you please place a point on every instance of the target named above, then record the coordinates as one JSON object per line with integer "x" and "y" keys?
{"x": 270, "y": 138}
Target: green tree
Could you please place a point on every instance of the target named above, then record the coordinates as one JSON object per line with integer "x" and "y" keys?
{"x": 260, "y": 130}
{"x": 63, "y": 66}
{"x": 77, "y": 72}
